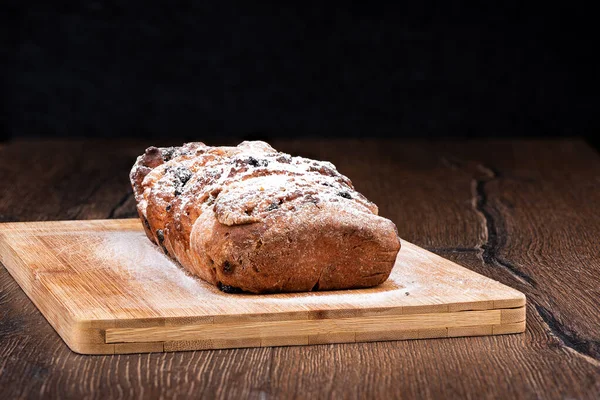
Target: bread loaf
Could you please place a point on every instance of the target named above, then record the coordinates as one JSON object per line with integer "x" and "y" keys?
{"x": 249, "y": 218}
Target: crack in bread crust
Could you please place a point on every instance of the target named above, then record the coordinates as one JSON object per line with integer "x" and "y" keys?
{"x": 257, "y": 220}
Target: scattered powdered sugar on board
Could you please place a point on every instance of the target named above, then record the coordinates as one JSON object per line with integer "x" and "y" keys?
{"x": 392, "y": 292}
{"x": 145, "y": 263}
{"x": 142, "y": 260}
{"x": 146, "y": 282}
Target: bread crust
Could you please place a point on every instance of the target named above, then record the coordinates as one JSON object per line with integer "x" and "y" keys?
{"x": 249, "y": 218}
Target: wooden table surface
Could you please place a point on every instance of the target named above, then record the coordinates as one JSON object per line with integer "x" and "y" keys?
{"x": 526, "y": 213}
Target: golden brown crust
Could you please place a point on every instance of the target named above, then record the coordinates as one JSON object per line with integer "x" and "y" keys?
{"x": 311, "y": 249}
{"x": 253, "y": 219}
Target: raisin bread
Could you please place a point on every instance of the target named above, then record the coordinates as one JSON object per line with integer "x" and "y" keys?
{"x": 249, "y": 218}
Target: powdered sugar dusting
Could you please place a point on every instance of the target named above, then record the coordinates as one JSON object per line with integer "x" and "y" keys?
{"x": 143, "y": 261}
{"x": 146, "y": 265}
{"x": 254, "y": 168}
{"x": 393, "y": 289}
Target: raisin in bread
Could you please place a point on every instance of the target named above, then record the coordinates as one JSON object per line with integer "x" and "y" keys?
{"x": 249, "y": 218}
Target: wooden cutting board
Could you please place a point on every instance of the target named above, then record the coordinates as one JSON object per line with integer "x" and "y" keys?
{"x": 107, "y": 290}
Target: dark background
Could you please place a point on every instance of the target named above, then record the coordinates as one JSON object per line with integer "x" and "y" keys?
{"x": 263, "y": 69}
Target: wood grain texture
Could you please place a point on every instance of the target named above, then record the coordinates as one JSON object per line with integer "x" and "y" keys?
{"x": 102, "y": 284}
{"x": 521, "y": 212}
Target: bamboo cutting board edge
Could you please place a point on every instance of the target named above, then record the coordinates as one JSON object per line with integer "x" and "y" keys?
{"x": 117, "y": 336}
